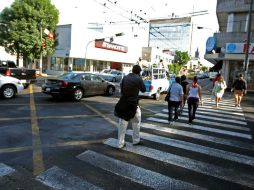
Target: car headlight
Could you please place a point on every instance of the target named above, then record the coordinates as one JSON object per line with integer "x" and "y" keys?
{"x": 19, "y": 82}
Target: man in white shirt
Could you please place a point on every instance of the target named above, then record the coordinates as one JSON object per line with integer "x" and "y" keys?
{"x": 176, "y": 98}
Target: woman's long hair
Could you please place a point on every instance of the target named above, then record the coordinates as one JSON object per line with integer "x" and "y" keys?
{"x": 195, "y": 82}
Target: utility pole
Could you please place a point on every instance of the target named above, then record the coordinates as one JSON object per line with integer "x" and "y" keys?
{"x": 40, "y": 67}
{"x": 246, "y": 60}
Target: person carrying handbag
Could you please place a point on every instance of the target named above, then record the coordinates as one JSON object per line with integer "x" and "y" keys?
{"x": 175, "y": 99}
{"x": 127, "y": 108}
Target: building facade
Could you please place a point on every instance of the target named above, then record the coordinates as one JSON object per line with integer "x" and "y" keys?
{"x": 229, "y": 45}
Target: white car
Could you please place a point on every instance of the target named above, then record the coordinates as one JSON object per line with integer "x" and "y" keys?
{"x": 111, "y": 75}
{"x": 10, "y": 86}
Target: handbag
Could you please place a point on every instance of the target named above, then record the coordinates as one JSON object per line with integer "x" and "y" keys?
{"x": 167, "y": 97}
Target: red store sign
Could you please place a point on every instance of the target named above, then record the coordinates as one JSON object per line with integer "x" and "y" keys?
{"x": 110, "y": 46}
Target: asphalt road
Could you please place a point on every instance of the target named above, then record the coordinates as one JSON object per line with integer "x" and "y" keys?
{"x": 60, "y": 144}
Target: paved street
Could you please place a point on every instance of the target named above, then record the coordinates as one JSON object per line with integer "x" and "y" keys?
{"x": 60, "y": 144}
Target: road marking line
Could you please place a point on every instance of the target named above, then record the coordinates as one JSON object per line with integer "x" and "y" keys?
{"x": 188, "y": 163}
{"x": 223, "y": 125}
{"x": 51, "y": 117}
{"x": 213, "y": 152}
{"x": 219, "y": 119}
{"x": 58, "y": 178}
{"x": 221, "y": 114}
{"x": 202, "y": 128}
{"x": 207, "y": 138}
{"x": 64, "y": 144}
{"x": 38, "y": 164}
{"x": 238, "y": 110}
{"x": 134, "y": 173}
{"x": 216, "y": 118}
{"x": 5, "y": 170}
{"x": 115, "y": 124}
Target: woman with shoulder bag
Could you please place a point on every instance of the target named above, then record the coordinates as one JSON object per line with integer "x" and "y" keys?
{"x": 219, "y": 89}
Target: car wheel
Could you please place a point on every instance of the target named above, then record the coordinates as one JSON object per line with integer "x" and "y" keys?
{"x": 110, "y": 90}
{"x": 113, "y": 79}
{"x": 156, "y": 96}
{"x": 78, "y": 94}
{"x": 8, "y": 91}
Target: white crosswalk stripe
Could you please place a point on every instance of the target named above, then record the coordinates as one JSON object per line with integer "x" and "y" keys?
{"x": 218, "y": 110}
{"x": 5, "y": 170}
{"x": 59, "y": 179}
{"x": 197, "y": 166}
{"x": 134, "y": 173}
{"x": 195, "y": 148}
{"x": 210, "y": 113}
{"x": 209, "y": 138}
{"x": 213, "y": 123}
{"x": 215, "y": 118}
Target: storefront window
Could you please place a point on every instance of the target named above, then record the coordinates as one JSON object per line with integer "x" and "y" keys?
{"x": 78, "y": 64}
{"x": 57, "y": 63}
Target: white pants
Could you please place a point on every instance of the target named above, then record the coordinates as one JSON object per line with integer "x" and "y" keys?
{"x": 122, "y": 126}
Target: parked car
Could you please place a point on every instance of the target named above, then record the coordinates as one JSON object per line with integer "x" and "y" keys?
{"x": 77, "y": 85}
{"x": 9, "y": 86}
{"x": 9, "y": 68}
{"x": 111, "y": 75}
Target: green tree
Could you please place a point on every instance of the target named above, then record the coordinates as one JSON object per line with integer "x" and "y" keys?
{"x": 181, "y": 58}
{"x": 22, "y": 25}
{"x": 204, "y": 68}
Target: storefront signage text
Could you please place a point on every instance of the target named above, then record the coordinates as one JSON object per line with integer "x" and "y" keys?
{"x": 239, "y": 48}
{"x": 110, "y": 46}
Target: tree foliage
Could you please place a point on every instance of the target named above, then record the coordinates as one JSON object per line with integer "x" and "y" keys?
{"x": 181, "y": 58}
{"x": 174, "y": 68}
{"x": 22, "y": 26}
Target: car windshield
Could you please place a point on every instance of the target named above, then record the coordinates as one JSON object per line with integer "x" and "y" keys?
{"x": 69, "y": 76}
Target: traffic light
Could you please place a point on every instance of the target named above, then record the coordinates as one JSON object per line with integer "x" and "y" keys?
{"x": 43, "y": 44}
{"x": 119, "y": 34}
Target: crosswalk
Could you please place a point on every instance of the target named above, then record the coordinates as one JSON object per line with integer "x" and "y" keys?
{"x": 215, "y": 152}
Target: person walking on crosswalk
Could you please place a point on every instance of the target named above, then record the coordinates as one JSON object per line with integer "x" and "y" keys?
{"x": 184, "y": 84}
{"x": 193, "y": 99}
{"x": 127, "y": 108}
{"x": 239, "y": 87}
{"x": 175, "y": 100}
{"x": 219, "y": 89}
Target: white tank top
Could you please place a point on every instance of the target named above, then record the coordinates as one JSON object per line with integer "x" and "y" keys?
{"x": 193, "y": 92}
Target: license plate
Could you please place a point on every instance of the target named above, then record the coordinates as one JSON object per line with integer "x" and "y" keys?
{"x": 47, "y": 89}
{"x": 23, "y": 81}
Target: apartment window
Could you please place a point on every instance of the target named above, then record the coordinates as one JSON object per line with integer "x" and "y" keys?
{"x": 230, "y": 23}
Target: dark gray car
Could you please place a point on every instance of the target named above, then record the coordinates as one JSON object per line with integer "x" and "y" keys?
{"x": 77, "y": 85}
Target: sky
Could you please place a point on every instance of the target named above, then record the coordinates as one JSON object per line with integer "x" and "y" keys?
{"x": 104, "y": 11}
{"x": 121, "y": 11}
